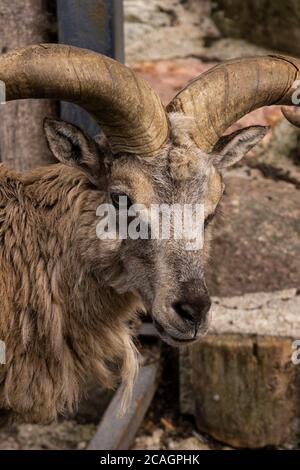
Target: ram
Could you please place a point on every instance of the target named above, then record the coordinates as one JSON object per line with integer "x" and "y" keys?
{"x": 67, "y": 296}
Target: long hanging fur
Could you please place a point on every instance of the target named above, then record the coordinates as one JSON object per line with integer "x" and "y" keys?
{"x": 59, "y": 321}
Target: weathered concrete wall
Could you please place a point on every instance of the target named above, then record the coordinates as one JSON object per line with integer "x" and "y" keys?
{"x": 243, "y": 386}
{"x": 273, "y": 24}
{"x": 22, "y": 143}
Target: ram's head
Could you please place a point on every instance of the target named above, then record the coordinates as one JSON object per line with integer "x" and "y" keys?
{"x": 155, "y": 157}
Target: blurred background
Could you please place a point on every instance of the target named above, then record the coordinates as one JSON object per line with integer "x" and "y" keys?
{"x": 257, "y": 238}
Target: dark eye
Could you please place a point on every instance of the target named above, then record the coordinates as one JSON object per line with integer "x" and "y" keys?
{"x": 120, "y": 200}
{"x": 208, "y": 219}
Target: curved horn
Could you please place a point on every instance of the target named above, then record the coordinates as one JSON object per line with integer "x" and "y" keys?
{"x": 128, "y": 110}
{"x": 292, "y": 114}
{"x": 225, "y": 93}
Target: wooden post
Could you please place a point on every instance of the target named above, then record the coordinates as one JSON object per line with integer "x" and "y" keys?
{"x": 96, "y": 25}
{"x": 22, "y": 142}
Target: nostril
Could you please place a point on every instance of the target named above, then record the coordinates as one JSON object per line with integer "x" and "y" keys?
{"x": 195, "y": 312}
{"x": 184, "y": 310}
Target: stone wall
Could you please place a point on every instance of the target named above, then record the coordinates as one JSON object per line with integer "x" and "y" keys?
{"x": 160, "y": 29}
{"x": 165, "y": 29}
{"x": 274, "y": 24}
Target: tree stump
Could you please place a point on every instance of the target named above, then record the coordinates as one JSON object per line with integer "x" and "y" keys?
{"x": 243, "y": 384}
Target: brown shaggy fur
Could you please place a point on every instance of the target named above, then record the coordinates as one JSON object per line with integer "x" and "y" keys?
{"x": 59, "y": 323}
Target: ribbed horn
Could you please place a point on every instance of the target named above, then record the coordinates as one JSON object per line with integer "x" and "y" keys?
{"x": 292, "y": 114}
{"x": 126, "y": 107}
{"x": 228, "y": 91}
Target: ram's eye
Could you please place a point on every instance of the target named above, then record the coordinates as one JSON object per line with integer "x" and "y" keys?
{"x": 120, "y": 200}
{"x": 208, "y": 219}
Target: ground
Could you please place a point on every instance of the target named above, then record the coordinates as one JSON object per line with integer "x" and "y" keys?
{"x": 256, "y": 248}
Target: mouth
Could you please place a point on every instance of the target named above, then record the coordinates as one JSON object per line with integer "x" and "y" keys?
{"x": 172, "y": 340}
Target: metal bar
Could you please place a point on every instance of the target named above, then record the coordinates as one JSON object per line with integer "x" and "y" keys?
{"x": 117, "y": 433}
{"x": 95, "y": 25}
{"x": 117, "y": 16}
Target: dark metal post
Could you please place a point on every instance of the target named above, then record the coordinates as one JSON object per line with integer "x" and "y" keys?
{"x": 96, "y": 25}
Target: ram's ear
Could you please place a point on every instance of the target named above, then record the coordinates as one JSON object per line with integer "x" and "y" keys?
{"x": 233, "y": 147}
{"x": 72, "y": 147}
